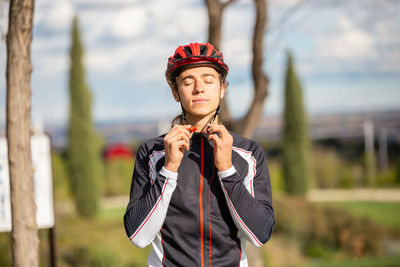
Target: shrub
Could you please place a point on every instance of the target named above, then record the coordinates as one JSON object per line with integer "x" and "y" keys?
{"x": 5, "y": 249}
{"x": 332, "y": 171}
{"x": 60, "y": 177}
{"x": 118, "y": 177}
{"x": 276, "y": 177}
{"x": 93, "y": 256}
{"x": 387, "y": 178}
{"x": 316, "y": 225}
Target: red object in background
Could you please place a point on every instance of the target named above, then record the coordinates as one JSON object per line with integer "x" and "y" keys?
{"x": 118, "y": 152}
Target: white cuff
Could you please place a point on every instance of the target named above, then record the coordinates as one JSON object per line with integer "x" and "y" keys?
{"x": 169, "y": 174}
{"x": 226, "y": 173}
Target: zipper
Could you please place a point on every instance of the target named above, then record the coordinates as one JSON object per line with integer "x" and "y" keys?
{"x": 201, "y": 200}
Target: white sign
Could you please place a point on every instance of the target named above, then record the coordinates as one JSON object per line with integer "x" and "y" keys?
{"x": 43, "y": 186}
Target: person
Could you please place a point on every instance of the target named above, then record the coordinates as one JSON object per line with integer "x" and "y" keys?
{"x": 199, "y": 192}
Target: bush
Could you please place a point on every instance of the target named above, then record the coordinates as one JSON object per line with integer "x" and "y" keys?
{"x": 93, "y": 256}
{"x": 60, "y": 177}
{"x": 387, "y": 178}
{"x": 118, "y": 177}
{"x": 316, "y": 225}
{"x": 331, "y": 171}
{"x": 276, "y": 177}
{"x": 5, "y": 249}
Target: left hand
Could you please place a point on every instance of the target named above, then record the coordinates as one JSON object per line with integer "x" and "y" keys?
{"x": 222, "y": 146}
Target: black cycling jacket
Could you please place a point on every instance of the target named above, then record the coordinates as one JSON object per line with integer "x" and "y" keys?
{"x": 199, "y": 216}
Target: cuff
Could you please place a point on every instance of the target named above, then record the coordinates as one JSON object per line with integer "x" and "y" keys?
{"x": 226, "y": 173}
{"x": 170, "y": 174}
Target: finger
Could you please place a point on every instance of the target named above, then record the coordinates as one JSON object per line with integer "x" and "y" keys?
{"x": 180, "y": 144}
{"x": 221, "y": 129}
{"x": 179, "y": 137}
{"x": 215, "y": 138}
{"x": 179, "y": 132}
{"x": 178, "y": 128}
{"x": 215, "y": 129}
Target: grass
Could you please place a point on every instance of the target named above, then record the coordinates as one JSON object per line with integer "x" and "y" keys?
{"x": 97, "y": 242}
{"x": 392, "y": 261}
{"x": 383, "y": 213}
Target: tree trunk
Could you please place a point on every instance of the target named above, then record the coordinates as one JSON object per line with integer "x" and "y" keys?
{"x": 247, "y": 125}
{"x": 215, "y": 10}
{"x": 25, "y": 241}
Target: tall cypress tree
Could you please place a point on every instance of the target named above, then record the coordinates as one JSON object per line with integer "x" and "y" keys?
{"x": 296, "y": 146}
{"x": 83, "y": 153}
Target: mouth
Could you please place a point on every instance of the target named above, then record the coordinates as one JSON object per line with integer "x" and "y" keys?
{"x": 200, "y": 100}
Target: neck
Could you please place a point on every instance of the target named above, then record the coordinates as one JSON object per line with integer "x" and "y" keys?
{"x": 200, "y": 122}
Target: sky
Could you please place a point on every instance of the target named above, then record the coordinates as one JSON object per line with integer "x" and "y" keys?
{"x": 347, "y": 54}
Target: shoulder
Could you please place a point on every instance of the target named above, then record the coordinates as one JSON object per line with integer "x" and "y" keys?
{"x": 244, "y": 143}
{"x": 241, "y": 143}
{"x": 150, "y": 145}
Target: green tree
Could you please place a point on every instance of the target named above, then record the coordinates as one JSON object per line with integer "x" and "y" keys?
{"x": 296, "y": 144}
{"x": 83, "y": 150}
{"x": 397, "y": 170}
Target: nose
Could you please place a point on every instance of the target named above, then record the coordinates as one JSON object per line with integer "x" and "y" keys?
{"x": 198, "y": 87}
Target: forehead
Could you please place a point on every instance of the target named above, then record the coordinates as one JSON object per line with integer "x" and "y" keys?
{"x": 198, "y": 71}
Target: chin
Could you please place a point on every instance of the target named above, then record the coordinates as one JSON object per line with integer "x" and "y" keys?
{"x": 201, "y": 113}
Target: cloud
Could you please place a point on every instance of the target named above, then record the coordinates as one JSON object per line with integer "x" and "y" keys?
{"x": 56, "y": 15}
{"x": 129, "y": 22}
{"x": 128, "y": 42}
{"x": 342, "y": 37}
{"x": 347, "y": 42}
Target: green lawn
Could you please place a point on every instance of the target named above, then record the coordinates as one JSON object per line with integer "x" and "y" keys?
{"x": 383, "y": 213}
{"x": 392, "y": 261}
{"x": 98, "y": 242}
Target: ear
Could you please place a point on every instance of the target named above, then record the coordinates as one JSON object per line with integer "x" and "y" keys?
{"x": 175, "y": 94}
{"x": 223, "y": 90}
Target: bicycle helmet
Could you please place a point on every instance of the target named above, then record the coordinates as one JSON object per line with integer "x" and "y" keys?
{"x": 195, "y": 54}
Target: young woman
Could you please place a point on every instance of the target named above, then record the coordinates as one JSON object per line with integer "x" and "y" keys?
{"x": 199, "y": 192}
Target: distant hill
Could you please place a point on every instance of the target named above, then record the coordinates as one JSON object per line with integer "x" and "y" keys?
{"x": 322, "y": 126}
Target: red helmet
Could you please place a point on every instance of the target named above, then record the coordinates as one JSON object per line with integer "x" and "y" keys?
{"x": 195, "y": 54}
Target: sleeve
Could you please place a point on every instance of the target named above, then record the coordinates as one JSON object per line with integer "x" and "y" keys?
{"x": 148, "y": 201}
{"x": 253, "y": 216}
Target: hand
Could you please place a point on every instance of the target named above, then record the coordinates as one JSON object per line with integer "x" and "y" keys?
{"x": 175, "y": 143}
{"x": 222, "y": 146}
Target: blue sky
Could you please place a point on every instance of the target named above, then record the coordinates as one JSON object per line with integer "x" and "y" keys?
{"x": 347, "y": 54}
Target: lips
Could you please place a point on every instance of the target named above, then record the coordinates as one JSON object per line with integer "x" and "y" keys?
{"x": 200, "y": 100}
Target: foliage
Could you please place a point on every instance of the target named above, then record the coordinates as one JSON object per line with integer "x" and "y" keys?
{"x": 387, "y": 178}
{"x": 90, "y": 256}
{"x": 60, "y": 176}
{"x": 398, "y": 170}
{"x": 329, "y": 227}
{"x": 332, "y": 171}
{"x": 83, "y": 150}
{"x": 5, "y": 249}
{"x": 118, "y": 177}
{"x": 296, "y": 141}
{"x": 383, "y": 213}
{"x": 276, "y": 177}
{"x": 81, "y": 241}
{"x": 367, "y": 262}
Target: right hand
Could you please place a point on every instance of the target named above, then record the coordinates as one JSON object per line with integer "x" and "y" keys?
{"x": 175, "y": 143}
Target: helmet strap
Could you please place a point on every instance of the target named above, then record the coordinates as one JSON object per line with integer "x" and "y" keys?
{"x": 183, "y": 110}
{"x": 212, "y": 119}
